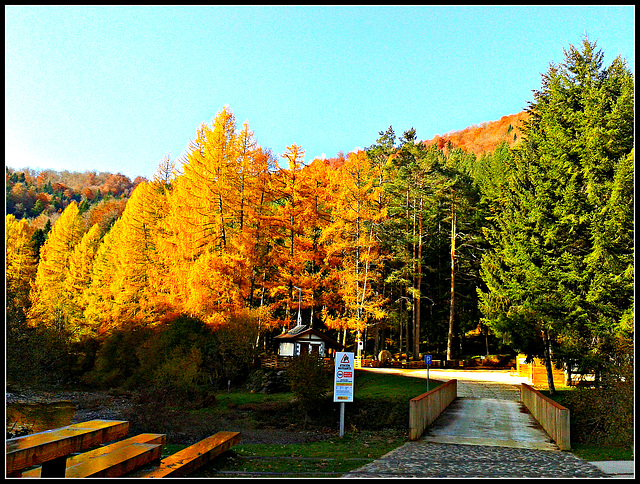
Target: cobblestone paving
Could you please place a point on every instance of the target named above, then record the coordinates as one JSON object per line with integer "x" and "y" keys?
{"x": 426, "y": 459}
{"x": 452, "y": 460}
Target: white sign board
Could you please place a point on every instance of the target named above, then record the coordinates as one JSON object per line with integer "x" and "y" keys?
{"x": 343, "y": 377}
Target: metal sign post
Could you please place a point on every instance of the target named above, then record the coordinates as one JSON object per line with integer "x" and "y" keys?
{"x": 427, "y": 361}
{"x": 343, "y": 382}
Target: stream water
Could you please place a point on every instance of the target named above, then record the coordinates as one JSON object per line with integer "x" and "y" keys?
{"x": 28, "y": 418}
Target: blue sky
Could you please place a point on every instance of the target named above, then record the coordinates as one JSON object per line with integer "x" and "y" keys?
{"x": 117, "y": 88}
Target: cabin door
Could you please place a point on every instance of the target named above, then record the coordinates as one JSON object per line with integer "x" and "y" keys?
{"x": 304, "y": 349}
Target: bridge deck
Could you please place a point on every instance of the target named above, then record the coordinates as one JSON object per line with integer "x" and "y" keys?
{"x": 488, "y": 421}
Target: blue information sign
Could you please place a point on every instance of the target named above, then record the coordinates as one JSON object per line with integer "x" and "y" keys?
{"x": 427, "y": 359}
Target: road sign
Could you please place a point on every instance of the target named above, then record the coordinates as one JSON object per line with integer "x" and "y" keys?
{"x": 343, "y": 377}
{"x": 343, "y": 382}
{"x": 427, "y": 361}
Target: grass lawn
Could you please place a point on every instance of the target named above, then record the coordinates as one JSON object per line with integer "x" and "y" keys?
{"x": 369, "y": 384}
{"x": 327, "y": 458}
{"x": 593, "y": 452}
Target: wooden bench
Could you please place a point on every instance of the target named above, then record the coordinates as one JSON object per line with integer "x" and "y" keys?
{"x": 191, "y": 458}
{"x": 113, "y": 460}
{"x": 52, "y": 447}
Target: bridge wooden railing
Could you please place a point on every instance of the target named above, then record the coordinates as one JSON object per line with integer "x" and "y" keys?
{"x": 424, "y": 409}
{"x": 553, "y": 417}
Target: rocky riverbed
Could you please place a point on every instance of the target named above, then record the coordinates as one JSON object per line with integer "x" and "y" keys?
{"x": 181, "y": 427}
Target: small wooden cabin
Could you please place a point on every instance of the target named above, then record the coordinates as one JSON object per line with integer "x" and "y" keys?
{"x": 303, "y": 340}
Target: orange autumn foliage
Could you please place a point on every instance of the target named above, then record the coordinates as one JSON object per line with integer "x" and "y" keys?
{"x": 484, "y": 138}
{"x": 352, "y": 244}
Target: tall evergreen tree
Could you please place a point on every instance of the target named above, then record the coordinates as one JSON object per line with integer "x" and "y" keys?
{"x": 540, "y": 274}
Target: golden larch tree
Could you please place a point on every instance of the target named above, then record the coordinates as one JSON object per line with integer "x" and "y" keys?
{"x": 49, "y": 303}
{"x": 21, "y": 266}
{"x": 352, "y": 245}
{"x": 79, "y": 278}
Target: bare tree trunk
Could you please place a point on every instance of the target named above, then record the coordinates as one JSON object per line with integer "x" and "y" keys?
{"x": 411, "y": 322}
{"x": 486, "y": 340}
{"x": 400, "y": 327}
{"x": 547, "y": 360}
{"x": 224, "y": 233}
{"x": 417, "y": 299}
{"x": 376, "y": 340}
{"x": 452, "y": 303}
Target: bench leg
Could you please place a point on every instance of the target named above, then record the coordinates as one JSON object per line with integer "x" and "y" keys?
{"x": 55, "y": 467}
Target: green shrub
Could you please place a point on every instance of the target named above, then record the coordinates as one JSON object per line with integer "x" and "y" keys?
{"x": 309, "y": 381}
{"x": 234, "y": 351}
{"x": 378, "y": 413}
{"x": 117, "y": 359}
{"x": 183, "y": 355}
{"x": 605, "y": 415}
{"x": 180, "y": 370}
{"x": 601, "y": 416}
{"x": 173, "y": 362}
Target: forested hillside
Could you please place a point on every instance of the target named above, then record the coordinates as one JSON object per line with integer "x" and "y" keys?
{"x": 520, "y": 230}
{"x": 485, "y": 137}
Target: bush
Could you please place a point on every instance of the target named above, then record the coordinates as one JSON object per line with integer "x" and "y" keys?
{"x": 378, "y": 413}
{"x": 234, "y": 352}
{"x": 48, "y": 357}
{"x": 174, "y": 361}
{"x": 271, "y": 381}
{"x": 605, "y": 415}
{"x": 309, "y": 381}
{"x": 117, "y": 361}
{"x": 601, "y": 416}
{"x": 169, "y": 357}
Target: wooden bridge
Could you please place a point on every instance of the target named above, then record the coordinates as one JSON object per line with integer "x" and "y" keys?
{"x": 504, "y": 411}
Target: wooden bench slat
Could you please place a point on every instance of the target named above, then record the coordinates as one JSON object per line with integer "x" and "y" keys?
{"x": 80, "y": 458}
{"x": 43, "y": 447}
{"x": 117, "y": 462}
{"x": 109, "y": 429}
{"x": 191, "y": 458}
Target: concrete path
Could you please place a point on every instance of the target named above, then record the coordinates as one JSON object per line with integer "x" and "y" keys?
{"x": 488, "y": 421}
{"x": 485, "y": 432}
{"x": 617, "y": 468}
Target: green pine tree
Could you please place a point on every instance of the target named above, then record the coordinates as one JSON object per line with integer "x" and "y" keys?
{"x": 540, "y": 274}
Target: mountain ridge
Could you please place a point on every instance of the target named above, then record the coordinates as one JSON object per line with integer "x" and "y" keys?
{"x": 483, "y": 138}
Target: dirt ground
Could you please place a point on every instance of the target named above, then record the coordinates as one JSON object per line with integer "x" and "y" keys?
{"x": 180, "y": 427}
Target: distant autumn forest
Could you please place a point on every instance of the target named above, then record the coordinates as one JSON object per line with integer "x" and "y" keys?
{"x": 512, "y": 236}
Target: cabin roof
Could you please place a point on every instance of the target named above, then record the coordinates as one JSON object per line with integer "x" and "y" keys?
{"x": 301, "y": 330}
